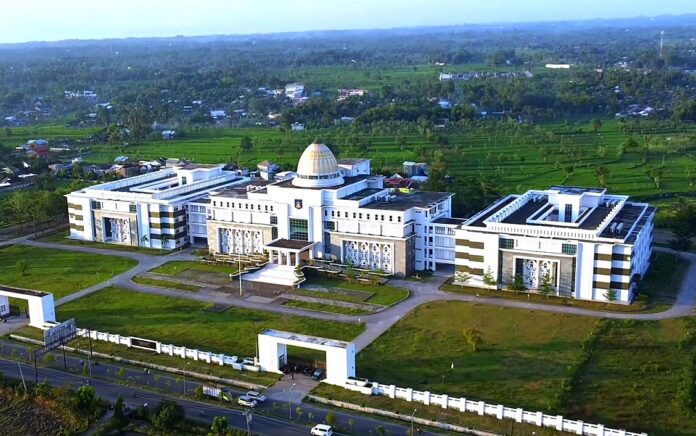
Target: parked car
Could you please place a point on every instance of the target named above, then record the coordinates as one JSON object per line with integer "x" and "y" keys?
{"x": 318, "y": 374}
{"x": 256, "y": 396}
{"x": 246, "y": 401}
{"x": 321, "y": 430}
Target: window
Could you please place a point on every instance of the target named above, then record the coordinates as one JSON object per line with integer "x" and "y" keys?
{"x": 183, "y": 180}
{"x": 360, "y": 215}
{"x": 298, "y": 230}
{"x": 214, "y": 203}
{"x": 507, "y": 243}
{"x": 354, "y": 215}
{"x": 390, "y": 218}
{"x": 399, "y": 219}
{"x": 568, "y": 213}
{"x": 132, "y": 208}
{"x": 326, "y": 212}
{"x": 569, "y": 249}
{"x": 329, "y": 225}
{"x": 228, "y": 204}
{"x": 368, "y": 216}
{"x": 96, "y": 205}
{"x": 382, "y": 218}
{"x": 345, "y": 214}
{"x": 274, "y": 232}
{"x": 274, "y": 219}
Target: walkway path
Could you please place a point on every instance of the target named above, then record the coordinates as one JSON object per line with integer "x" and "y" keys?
{"x": 375, "y": 324}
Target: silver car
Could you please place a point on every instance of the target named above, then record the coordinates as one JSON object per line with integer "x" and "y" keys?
{"x": 246, "y": 401}
{"x": 256, "y": 396}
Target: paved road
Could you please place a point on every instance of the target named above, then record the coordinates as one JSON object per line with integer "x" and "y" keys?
{"x": 166, "y": 386}
{"x": 375, "y": 324}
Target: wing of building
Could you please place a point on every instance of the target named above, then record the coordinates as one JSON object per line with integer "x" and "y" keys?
{"x": 584, "y": 241}
{"x": 332, "y": 210}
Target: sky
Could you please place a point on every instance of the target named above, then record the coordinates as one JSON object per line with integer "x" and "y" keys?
{"x": 51, "y": 20}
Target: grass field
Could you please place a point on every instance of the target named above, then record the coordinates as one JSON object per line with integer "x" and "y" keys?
{"x": 176, "y": 267}
{"x": 641, "y": 377}
{"x": 517, "y": 156}
{"x": 189, "y": 323}
{"x": 61, "y": 238}
{"x": 385, "y": 295}
{"x": 521, "y": 363}
{"x": 166, "y": 284}
{"x": 58, "y": 271}
{"x": 325, "y": 307}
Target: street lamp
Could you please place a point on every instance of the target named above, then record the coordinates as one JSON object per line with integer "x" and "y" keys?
{"x": 412, "y": 419}
{"x": 184, "y": 371}
{"x": 289, "y": 405}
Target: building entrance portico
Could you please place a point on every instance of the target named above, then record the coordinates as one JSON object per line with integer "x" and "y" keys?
{"x": 289, "y": 252}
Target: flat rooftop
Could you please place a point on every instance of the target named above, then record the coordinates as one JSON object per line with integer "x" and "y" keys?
{"x": 22, "y": 291}
{"x": 575, "y": 190}
{"x": 242, "y": 191}
{"x": 449, "y": 221}
{"x": 402, "y": 202}
{"x": 305, "y": 338}
{"x": 291, "y": 244}
{"x": 363, "y": 193}
{"x": 350, "y": 161}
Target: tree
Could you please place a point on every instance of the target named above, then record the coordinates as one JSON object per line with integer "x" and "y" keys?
{"x": 488, "y": 278}
{"x": 610, "y": 295}
{"x": 473, "y": 338}
{"x": 121, "y": 372}
{"x": 546, "y": 285}
{"x": 168, "y": 416}
{"x": 246, "y": 143}
{"x": 601, "y": 173}
{"x": 330, "y": 418}
{"x": 596, "y": 124}
{"x": 118, "y": 410}
{"x": 461, "y": 278}
{"x": 21, "y": 267}
{"x": 198, "y": 392}
{"x": 219, "y": 426}
{"x": 299, "y": 413}
{"x": 517, "y": 284}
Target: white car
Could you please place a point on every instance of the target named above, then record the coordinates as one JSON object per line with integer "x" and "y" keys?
{"x": 322, "y": 430}
{"x": 246, "y": 401}
{"x": 256, "y": 396}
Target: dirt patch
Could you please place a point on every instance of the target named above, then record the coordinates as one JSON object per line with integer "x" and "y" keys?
{"x": 28, "y": 418}
{"x": 256, "y": 288}
{"x": 218, "y": 308}
{"x": 204, "y": 277}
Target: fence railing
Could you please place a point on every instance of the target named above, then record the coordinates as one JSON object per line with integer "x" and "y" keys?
{"x": 498, "y": 411}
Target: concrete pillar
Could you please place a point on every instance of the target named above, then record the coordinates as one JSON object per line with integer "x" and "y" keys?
{"x": 481, "y": 408}
{"x": 600, "y": 429}
{"x": 409, "y": 394}
{"x": 518, "y": 415}
{"x": 579, "y": 429}
{"x": 288, "y": 259}
{"x": 444, "y": 401}
{"x": 392, "y": 391}
{"x": 540, "y": 419}
{"x": 462, "y": 405}
{"x": 499, "y": 412}
{"x": 270, "y": 256}
{"x": 426, "y": 398}
{"x": 559, "y": 423}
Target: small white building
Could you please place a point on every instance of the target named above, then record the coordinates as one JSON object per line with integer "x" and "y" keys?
{"x": 168, "y": 134}
{"x": 583, "y": 240}
{"x": 297, "y": 127}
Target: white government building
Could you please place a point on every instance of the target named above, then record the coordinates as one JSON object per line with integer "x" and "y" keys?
{"x": 330, "y": 210}
{"x": 584, "y": 240}
{"x": 336, "y": 211}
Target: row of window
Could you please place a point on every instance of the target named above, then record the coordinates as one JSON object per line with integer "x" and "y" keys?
{"x": 266, "y": 207}
{"x": 359, "y": 216}
{"x": 565, "y": 248}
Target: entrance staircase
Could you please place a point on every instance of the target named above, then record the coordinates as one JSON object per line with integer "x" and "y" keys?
{"x": 276, "y": 274}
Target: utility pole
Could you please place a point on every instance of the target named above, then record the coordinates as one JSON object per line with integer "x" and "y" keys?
{"x": 24, "y": 383}
{"x": 239, "y": 273}
{"x": 249, "y": 414}
{"x": 65, "y": 362}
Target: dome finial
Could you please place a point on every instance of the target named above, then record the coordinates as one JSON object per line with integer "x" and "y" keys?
{"x": 317, "y": 140}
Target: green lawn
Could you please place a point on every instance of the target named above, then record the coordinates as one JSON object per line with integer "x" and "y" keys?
{"x": 166, "y": 284}
{"x": 522, "y": 361}
{"x": 190, "y": 323}
{"x": 325, "y": 307}
{"x": 641, "y": 377}
{"x": 58, "y": 271}
{"x": 385, "y": 295}
{"x": 62, "y": 238}
{"x": 176, "y": 267}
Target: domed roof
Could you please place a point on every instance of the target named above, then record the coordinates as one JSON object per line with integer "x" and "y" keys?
{"x": 317, "y": 168}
